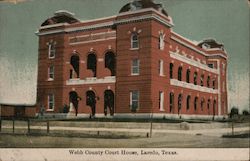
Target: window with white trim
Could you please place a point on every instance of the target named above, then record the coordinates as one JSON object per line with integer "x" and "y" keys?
{"x": 52, "y": 50}
{"x": 161, "y": 41}
{"x": 134, "y": 41}
{"x": 51, "y": 73}
{"x": 161, "y": 101}
{"x": 134, "y": 101}
{"x": 160, "y": 68}
{"x": 135, "y": 67}
{"x": 210, "y": 65}
{"x": 51, "y": 102}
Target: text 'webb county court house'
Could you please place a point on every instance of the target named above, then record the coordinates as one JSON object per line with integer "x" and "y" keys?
{"x": 129, "y": 65}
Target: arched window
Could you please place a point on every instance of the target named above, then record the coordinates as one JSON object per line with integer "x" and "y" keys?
{"x": 161, "y": 68}
{"x": 195, "y": 103}
{"x": 214, "y": 84}
{"x": 195, "y": 78}
{"x": 171, "y": 66}
{"x": 161, "y": 41}
{"x": 52, "y": 50}
{"x": 179, "y": 73}
{"x": 171, "y": 101}
{"x": 110, "y": 62}
{"x": 179, "y": 102}
{"x": 208, "y": 81}
{"x": 188, "y": 76}
{"x": 134, "y": 41}
{"x": 91, "y": 63}
{"x": 188, "y": 102}
{"x": 202, "y": 80}
{"x": 74, "y": 61}
{"x": 202, "y": 103}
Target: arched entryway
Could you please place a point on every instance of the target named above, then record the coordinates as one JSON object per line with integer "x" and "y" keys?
{"x": 74, "y": 100}
{"x": 91, "y": 101}
{"x": 110, "y": 62}
{"x": 214, "y": 108}
{"x": 109, "y": 102}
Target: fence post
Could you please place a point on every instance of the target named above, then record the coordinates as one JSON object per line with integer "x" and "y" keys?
{"x": 13, "y": 124}
{"x": 28, "y": 125}
{"x": 47, "y": 126}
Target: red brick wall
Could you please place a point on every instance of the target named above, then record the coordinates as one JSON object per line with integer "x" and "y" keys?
{"x": 148, "y": 82}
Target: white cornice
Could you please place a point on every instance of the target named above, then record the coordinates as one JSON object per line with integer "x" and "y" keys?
{"x": 195, "y": 49}
{"x": 106, "y": 24}
{"x": 183, "y": 84}
{"x": 144, "y": 17}
{"x": 90, "y": 27}
{"x": 53, "y": 25}
{"x": 91, "y": 80}
{"x": 192, "y": 62}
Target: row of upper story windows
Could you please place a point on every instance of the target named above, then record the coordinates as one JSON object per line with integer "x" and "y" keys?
{"x": 134, "y": 44}
{"x": 196, "y": 78}
{"x": 135, "y": 70}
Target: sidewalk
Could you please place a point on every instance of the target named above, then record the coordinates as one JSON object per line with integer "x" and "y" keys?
{"x": 206, "y": 132}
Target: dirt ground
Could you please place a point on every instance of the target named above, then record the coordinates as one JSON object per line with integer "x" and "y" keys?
{"x": 168, "y": 141}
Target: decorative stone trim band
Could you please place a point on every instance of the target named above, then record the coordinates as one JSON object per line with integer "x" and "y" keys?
{"x": 195, "y": 49}
{"x": 192, "y": 62}
{"x": 144, "y": 17}
{"x": 182, "y": 84}
{"x": 91, "y": 80}
{"x": 92, "y": 38}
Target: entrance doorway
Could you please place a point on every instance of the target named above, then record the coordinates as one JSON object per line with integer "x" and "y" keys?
{"x": 73, "y": 100}
{"x": 91, "y": 101}
{"x": 109, "y": 102}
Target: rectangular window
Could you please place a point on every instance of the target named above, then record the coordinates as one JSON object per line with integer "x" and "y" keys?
{"x": 51, "y": 73}
{"x": 134, "y": 100}
{"x": 135, "y": 68}
{"x": 52, "y": 51}
{"x": 211, "y": 65}
{"x": 161, "y": 101}
{"x": 161, "y": 72}
{"x": 51, "y": 102}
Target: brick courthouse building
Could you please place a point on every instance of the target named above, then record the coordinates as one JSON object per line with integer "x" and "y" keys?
{"x": 129, "y": 65}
